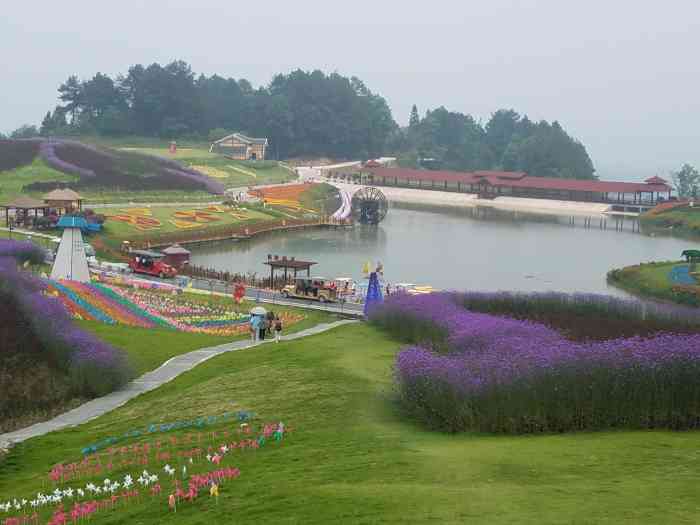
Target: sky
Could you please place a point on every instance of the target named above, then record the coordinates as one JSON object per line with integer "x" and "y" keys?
{"x": 622, "y": 76}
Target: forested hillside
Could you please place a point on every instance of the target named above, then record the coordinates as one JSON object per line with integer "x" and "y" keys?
{"x": 306, "y": 114}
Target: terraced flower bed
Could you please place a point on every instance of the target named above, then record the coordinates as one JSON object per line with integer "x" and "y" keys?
{"x": 151, "y": 309}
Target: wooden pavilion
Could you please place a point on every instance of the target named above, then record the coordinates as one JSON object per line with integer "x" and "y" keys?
{"x": 283, "y": 263}
{"x": 66, "y": 200}
{"x": 239, "y": 147}
{"x": 22, "y": 206}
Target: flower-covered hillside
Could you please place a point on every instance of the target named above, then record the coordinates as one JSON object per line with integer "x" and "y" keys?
{"x": 45, "y": 359}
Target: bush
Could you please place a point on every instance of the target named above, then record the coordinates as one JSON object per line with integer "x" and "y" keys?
{"x": 38, "y": 333}
{"x": 104, "y": 168}
{"x": 17, "y": 153}
{"x": 498, "y": 374}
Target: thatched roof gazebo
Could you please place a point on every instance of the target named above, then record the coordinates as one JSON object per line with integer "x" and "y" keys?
{"x": 65, "y": 199}
{"x": 22, "y": 206}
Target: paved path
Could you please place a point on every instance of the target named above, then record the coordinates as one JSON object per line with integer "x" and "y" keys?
{"x": 149, "y": 381}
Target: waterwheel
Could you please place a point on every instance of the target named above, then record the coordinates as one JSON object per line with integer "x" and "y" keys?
{"x": 369, "y": 206}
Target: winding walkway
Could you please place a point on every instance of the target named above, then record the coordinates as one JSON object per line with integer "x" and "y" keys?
{"x": 147, "y": 382}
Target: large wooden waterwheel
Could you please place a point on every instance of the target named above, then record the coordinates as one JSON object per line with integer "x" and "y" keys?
{"x": 369, "y": 206}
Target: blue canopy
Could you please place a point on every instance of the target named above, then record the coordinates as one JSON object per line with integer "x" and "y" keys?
{"x": 69, "y": 221}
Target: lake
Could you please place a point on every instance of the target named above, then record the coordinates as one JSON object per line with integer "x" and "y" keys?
{"x": 481, "y": 249}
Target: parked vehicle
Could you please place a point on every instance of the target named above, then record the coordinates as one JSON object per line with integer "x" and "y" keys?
{"x": 314, "y": 288}
{"x": 150, "y": 263}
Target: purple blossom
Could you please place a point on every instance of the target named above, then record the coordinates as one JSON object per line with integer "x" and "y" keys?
{"x": 482, "y": 372}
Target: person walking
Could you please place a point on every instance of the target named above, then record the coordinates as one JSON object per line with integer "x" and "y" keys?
{"x": 254, "y": 328}
{"x": 261, "y": 326}
{"x": 278, "y": 329}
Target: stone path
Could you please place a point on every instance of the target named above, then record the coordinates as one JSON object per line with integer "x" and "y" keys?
{"x": 149, "y": 381}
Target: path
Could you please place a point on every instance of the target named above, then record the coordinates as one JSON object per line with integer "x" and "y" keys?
{"x": 147, "y": 382}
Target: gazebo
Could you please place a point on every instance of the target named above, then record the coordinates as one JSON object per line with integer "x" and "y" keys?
{"x": 22, "y": 206}
{"x": 283, "y": 263}
{"x": 65, "y": 199}
{"x": 176, "y": 256}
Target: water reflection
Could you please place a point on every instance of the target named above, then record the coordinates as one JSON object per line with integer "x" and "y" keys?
{"x": 475, "y": 248}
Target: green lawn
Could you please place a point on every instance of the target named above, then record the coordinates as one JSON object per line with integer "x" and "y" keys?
{"x": 652, "y": 280}
{"x": 682, "y": 221}
{"x": 232, "y": 174}
{"x": 12, "y": 182}
{"x": 115, "y": 228}
{"x": 352, "y": 459}
{"x": 148, "y": 348}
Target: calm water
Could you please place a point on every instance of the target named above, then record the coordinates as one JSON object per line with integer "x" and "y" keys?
{"x": 456, "y": 250}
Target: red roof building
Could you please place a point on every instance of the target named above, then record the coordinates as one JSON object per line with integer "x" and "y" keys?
{"x": 519, "y": 184}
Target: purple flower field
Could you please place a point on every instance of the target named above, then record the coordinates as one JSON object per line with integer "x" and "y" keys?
{"x": 480, "y": 372}
{"x": 94, "y": 367}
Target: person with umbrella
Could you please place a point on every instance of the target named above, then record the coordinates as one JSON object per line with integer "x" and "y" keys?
{"x": 257, "y": 322}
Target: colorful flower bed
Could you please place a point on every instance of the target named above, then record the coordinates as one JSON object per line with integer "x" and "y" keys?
{"x": 479, "y": 372}
{"x": 139, "y": 218}
{"x": 169, "y": 473}
{"x": 149, "y": 309}
{"x": 17, "y": 153}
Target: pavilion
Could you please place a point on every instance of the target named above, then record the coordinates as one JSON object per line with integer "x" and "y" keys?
{"x": 277, "y": 263}
{"x": 66, "y": 200}
{"x": 516, "y": 184}
{"x": 22, "y": 206}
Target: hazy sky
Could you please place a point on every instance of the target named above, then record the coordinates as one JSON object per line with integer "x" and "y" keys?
{"x": 623, "y": 76}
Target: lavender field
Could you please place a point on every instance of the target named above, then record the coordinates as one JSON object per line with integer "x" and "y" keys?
{"x": 45, "y": 358}
{"x": 470, "y": 371}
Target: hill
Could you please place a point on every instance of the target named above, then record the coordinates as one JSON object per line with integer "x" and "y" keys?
{"x": 45, "y": 360}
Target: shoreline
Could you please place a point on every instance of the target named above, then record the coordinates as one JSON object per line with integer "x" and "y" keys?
{"x": 470, "y": 200}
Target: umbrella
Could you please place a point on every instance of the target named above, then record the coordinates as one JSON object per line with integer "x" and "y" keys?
{"x": 258, "y": 310}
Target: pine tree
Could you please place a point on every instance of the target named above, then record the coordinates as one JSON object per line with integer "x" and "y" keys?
{"x": 414, "y": 119}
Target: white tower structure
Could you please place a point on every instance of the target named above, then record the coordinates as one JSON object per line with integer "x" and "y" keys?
{"x": 71, "y": 261}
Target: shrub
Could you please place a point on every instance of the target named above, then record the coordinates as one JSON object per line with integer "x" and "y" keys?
{"x": 105, "y": 168}
{"x": 498, "y": 374}
{"x": 17, "y": 153}
{"x": 94, "y": 367}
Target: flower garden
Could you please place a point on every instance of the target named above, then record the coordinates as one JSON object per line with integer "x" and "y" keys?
{"x": 44, "y": 356}
{"x": 470, "y": 371}
{"x": 169, "y": 219}
{"x": 162, "y": 469}
{"x": 113, "y": 304}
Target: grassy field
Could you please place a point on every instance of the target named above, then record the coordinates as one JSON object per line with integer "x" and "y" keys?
{"x": 652, "y": 280}
{"x": 682, "y": 221}
{"x": 148, "y": 348}
{"x": 165, "y": 215}
{"x": 352, "y": 459}
{"x": 233, "y": 174}
{"x": 12, "y": 182}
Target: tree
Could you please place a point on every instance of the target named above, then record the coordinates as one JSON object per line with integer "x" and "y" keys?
{"x": 414, "y": 119}
{"x": 500, "y": 131}
{"x": 27, "y": 131}
{"x": 686, "y": 180}
{"x": 71, "y": 93}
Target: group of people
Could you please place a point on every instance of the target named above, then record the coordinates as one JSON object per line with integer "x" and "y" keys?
{"x": 262, "y": 325}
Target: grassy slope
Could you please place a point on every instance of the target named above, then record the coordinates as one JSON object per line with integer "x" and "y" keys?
{"x": 164, "y": 214}
{"x": 11, "y": 182}
{"x": 232, "y": 174}
{"x": 648, "y": 280}
{"x": 352, "y": 460}
{"x": 683, "y": 221}
{"x": 148, "y": 348}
